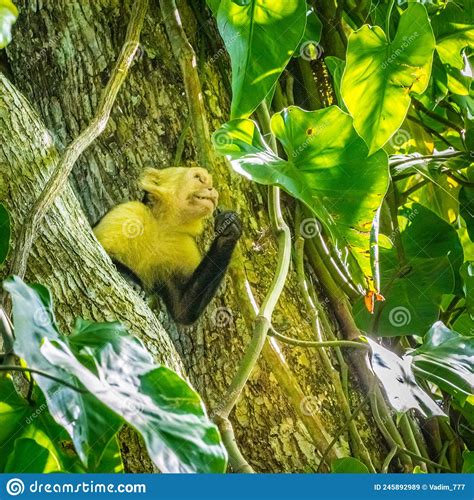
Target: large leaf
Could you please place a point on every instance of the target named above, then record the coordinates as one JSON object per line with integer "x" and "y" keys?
{"x": 8, "y": 15}
{"x": 89, "y": 423}
{"x": 397, "y": 378}
{"x": 28, "y": 423}
{"x": 413, "y": 287}
{"x": 260, "y": 36}
{"x": 123, "y": 382}
{"x": 4, "y": 233}
{"x": 446, "y": 358}
{"x": 379, "y": 74}
{"x": 29, "y": 456}
{"x": 328, "y": 169}
{"x": 454, "y": 30}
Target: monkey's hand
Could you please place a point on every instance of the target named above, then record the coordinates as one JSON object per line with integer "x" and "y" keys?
{"x": 227, "y": 227}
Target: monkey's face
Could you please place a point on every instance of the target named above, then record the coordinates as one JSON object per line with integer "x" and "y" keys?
{"x": 186, "y": 193}
{"x": 201, "y": 197}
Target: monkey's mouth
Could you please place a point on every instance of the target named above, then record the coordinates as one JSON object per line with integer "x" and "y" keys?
{"x": 211, "y": 198}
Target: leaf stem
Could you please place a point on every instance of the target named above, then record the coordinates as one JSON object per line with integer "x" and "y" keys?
{"x": 13, "y": 368}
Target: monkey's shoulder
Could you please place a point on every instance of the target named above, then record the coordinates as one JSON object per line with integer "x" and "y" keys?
{"x": 152, "y": 249}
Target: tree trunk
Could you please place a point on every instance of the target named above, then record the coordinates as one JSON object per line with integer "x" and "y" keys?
{"x": 60, "y": 59}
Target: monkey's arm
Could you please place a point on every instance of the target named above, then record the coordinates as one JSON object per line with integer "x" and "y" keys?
{"x": 187, "y": 300}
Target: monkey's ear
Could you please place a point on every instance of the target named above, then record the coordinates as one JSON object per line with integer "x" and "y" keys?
{"x": 150, "y": 180}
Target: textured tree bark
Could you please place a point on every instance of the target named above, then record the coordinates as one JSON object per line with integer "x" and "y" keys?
{"x": 60, "y": 59}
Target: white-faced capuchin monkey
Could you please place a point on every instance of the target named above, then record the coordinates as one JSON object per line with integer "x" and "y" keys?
{"x": 156, "y": 240}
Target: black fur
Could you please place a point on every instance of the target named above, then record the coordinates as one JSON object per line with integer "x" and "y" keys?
{"x": 187, "y": 299}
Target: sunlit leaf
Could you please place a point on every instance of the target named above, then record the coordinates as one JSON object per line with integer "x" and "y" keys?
{"x": 260, "y": 37}
{"x": 29, "y": 456}
{"x": 328, "y": 169}
{"x": 90, "y": 424}
{"x": 8, "y": 15}
{"x": 446, "y": 358}
{"x": 123, "y": 382}
{"x": 454, "y": 30}
{"x": 379, "y": 74}
{"x": 396, "y": 376}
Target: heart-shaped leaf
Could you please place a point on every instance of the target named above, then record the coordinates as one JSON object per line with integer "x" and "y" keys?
{"x": 397, "y": 378}
{"x": 8, "y": 15}
{"x": 260, "y": 37}
{"x": 380, "y": 74}
{"x": 446, "y": 358}
{"x": 328, "y": 169}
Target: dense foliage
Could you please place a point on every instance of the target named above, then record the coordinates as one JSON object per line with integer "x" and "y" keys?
{"x": 364, "y": 117}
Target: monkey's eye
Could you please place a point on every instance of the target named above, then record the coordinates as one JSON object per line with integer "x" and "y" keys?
{"x": 199, "y": 176}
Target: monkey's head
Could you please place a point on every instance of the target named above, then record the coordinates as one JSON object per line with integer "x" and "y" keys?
{"x": 187, "y": 193}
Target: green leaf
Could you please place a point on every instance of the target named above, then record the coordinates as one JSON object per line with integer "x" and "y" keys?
{"x": 467, "y": 275}
{"x": 122, "y": 380}
{"x": 466, "y": 209}
{"x": 348, "y": 465}
{"x": 90, "y": 424}
{"x": 328, "y": 169}
{"x": 446, "y": 358}
{"x": 111, "y": 460}
{"x": 468, "y": 464}
{"x": 13, "y": 412}
{"x": 413, "y": 288}
{"x": 380, "y": 74}
{"x": 397, "y": 378}
{"x": 454, "y": 30}
{"x": 5, "y": 233}
{"x": 20, "y": 420}
{"x": 30, "y": 457}
{"x": 260, "y": 38}
{"x": 156, "y": 401}
{"x": 336, "y": 69}
{"x": 8, "y": 15}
